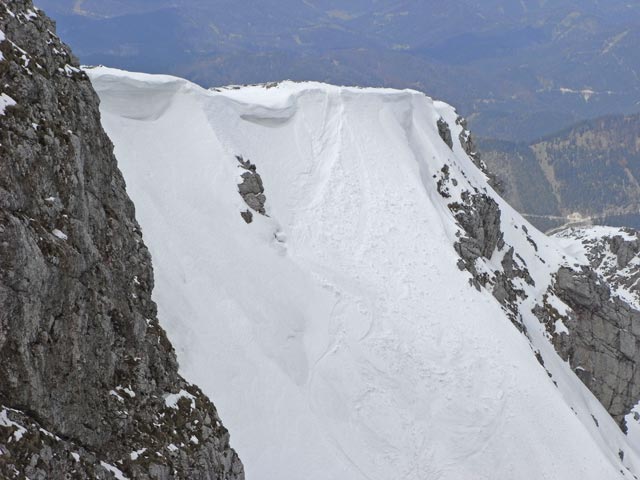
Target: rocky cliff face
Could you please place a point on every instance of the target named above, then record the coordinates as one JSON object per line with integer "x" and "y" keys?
{"x": 603, "y": 341}
{"x": 89, "y": 385}
{"x": 604, "y": 298}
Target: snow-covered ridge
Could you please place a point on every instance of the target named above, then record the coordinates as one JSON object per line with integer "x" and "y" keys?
{"x": 337, "y": 334}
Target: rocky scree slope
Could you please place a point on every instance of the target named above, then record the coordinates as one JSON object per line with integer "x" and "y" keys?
{"x": 89, "y": 386}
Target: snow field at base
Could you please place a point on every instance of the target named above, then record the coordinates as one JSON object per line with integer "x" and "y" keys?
{"x": 337, "y": 337}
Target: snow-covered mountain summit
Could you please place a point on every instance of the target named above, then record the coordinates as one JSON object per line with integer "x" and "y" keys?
{"x": 377, "y": 322}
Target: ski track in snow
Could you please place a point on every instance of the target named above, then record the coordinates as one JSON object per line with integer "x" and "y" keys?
{"x": 355, "y": 349}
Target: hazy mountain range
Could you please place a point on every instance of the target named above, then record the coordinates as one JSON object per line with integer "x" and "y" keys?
{"x": 518, "y": 70}
{"x": 587, "y": 173}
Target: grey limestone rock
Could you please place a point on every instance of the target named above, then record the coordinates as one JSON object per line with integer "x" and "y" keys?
{"x": 604, "y": 340}
{"x": 479, "y": 217}
{"x": 504, "y": 289}
{"x": 83, "y": 356}
{"x": 251, "y": 190}
{"x": 625, "y": 250}
{"x": 604, "y": 329}
{"x": 445, "y": 132}
{"x": 603, "y": 344}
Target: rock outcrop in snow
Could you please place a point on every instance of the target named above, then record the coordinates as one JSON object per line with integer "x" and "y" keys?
{"x": 251, "y": 189}
{"x": 371, "y": 314}
{"x": 603, "y": 294}
{"x": 613, "y": 252}
{"x": 599, "y": 333}
{"x": 603, "y": 344}
{"x": 84, "y": 364}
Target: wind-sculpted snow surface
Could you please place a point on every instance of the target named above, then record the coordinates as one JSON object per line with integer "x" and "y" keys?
{"x": 340, "y": 335}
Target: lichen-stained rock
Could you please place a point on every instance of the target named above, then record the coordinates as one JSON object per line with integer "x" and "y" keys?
{"x": 82, "y": 355}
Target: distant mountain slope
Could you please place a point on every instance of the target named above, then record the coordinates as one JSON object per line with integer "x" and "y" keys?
{"x": 592, "y": 169}
{"x": 350, "y": 277}
{"x": 519, "y": 70}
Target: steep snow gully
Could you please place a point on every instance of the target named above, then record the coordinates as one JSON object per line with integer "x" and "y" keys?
{"x": 337, "y": 334}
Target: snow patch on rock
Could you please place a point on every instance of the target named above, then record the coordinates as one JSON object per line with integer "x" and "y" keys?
{"x": 5, "y": 101}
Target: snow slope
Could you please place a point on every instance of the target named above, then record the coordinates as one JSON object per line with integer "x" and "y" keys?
{"x": 337, "y": 336}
